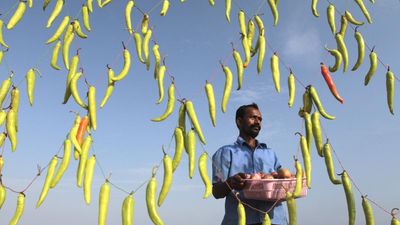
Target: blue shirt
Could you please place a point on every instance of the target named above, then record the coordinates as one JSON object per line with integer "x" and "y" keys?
{"x": 239, "y": 157}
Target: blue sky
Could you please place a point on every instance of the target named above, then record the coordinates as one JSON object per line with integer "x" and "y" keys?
{"x": 194, "y": 36}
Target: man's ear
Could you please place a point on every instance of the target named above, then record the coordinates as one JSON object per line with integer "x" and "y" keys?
{"x": 238, "y": 122}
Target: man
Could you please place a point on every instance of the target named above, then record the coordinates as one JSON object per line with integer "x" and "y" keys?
{"x": 232, "y": 162}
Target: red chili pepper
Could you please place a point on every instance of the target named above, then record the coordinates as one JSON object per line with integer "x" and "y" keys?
{"x": 329, "y": 82}
{"x": 81, "y": 129}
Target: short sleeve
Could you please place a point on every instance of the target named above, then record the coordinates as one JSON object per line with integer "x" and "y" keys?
{"x": 221, "y": 164}
{"x": 277, "y": 165}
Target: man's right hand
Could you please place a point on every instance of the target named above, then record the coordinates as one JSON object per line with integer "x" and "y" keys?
{"x": 236, "y": 181}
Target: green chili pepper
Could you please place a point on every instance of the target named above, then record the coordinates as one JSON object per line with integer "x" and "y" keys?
{"x": 307, "y": 101}
{"x": 170, "y": 104}
{"x": 329, "y": 163}
{"x": 317, "y": 102}
{"x": 63, "y": 165}
{"x": 361, "y": 49}
{"x": 241, "y": 214}
{"x": 275, "y": 71}
{"x": 227, "y": 88}
{"x": 338, "y": 59}
{"x": 179, "y": 145}
{"x": 299, "y": 179}
{"x": 291, "y": 205}
{"x": 343, "y": 25}
{"x": 314, "y": 8}
{"x": 191, "y": 150}
{"x": 273, "y": 6}
{"x": 330, "y": 12}
{"x": 390, "y": 89}
{"x": 364, "y": 10}
{"x": 292, "y": 89}
{"x": 309, "y": 130}
{"x": 261, "y": 52}
{"x": 151, "y": 200}
{"x": 317, "y": 133}
{"x": 351, "y": 208}
{"x": 373, "y": 58}
{"x": 369, "y": 216}
{"x": 49, "y": 177}
{"x": 239, "y": 67}
{"x": 341, "y": 46}
{"x": 167, "y": 181}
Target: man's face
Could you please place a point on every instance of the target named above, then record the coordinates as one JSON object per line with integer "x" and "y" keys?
{"x": 250, "y": 123}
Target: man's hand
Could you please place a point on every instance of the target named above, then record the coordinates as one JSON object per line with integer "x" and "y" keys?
{"x": 236, "y": 181}
{"x": 221, "y": 189}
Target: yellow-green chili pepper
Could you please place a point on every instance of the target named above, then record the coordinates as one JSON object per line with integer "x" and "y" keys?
{"x": 250, "y": 33}
{"x": 127, "y": 210}
{"x": 167, "y": 181}
{"x": 351, "y": 19}
{"x": 330, "y": 12}
{"x": 266, "y": 220}
{"x": 275, "y": 71}
{"x": 45, "y": 4}
{"x": 59, "y": 30}
{"x": 82, "y": 160}
{"x": 314, "y": 4}
{"x": 146, "y": 41}
{"x": 104, "y": 197}
{"x": 157, "y": 58}
{"x": 56, "y": 11}
{"x": 292, "y": 89}
{"x": 164, "y": 8}
{"x": 170, "y": 104}
{"x": 343, "y": 25}
{"x": 151, "y": 200}
{"x": 261, "y": 52}
{"x": 74, "y": 90}
{"x": 274, "y": 10}
{"x": 309, "y": 130}
{"x": 54, "y": 56}
{"x": 2, "y": 42}
{"x": 87, "y": 180}
{"x": 193, "y": 118}
{"x": 395, "y": 221}
{"x": 341, "y": 46}
{"x": 260, "y": 25}
{"x": 126, "y": 67}
{"x": 291, "y": 205}
{"x": 246, "y": 49}
{"x": 47, "y": 181}
{"x": 390, "y": 89}
{"x": 30, "y": 83}
{"x": 373, "y": 58}
{"x": 228, "y": 4}
{"x": 317, "y": 133}
{"x": 179, "y": 145}
{"x": 239, "y": 67}
{"x": 299, "y": 179}
{"x": 329, "y": 163}
{"x": 19, "y": 210}
{"x": 63, "y": 165}
{"x": 68, "y": 38}
{"x": 3, "y": 195}
{"x": 11, "y": 128}
{"x": 3, "y": 137}
{"x": 92, "y": 107}
{"x": 72, "y": 136}
{"x": 306, "y": 159}
{"x": 241, "y": 214}
{"x": 85, "y": 18}
{"x": 338, "y": 59}
{"x": 361, "y": 49}
{"x": 242, "y": 22}
{"x": 369, "y": 216}
{"x": 144, "y": 24}
{"x": 138, "y": 42}
{"x": 191, "y": 150}
{"x": 110, "y": 87}
{"x": 204, "y": 175}
{"x": 307, "y": 101}
{"x": 5, "y": 87}
{"x": 317, "y": 102}
{"x": 160, "y": 83}
{"x": 128, "y": 12}
{"x": 211, "y": 102}
{"x": 78, "y": 30}
{"x": 351, "y": 208}
{"x": 73, "y": 66}
{"x": 17, "y": 16}
{"x": 364, "y": 10}
{"x": 227, "y": 88}
{"x": 3, "y": 116}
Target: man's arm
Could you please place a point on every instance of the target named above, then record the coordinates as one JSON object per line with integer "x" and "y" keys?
{"x": 222, "y": 189}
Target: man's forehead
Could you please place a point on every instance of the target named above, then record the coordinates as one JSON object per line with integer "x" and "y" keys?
{"x": 252, "y": 111}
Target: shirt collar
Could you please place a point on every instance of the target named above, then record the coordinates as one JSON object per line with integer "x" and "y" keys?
{"x": 260, "y": 145}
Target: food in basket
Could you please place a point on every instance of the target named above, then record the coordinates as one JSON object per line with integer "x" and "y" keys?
{"x": 284, "y": 173}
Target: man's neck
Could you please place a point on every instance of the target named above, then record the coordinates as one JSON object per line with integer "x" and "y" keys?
{"x": 250, "y": 141}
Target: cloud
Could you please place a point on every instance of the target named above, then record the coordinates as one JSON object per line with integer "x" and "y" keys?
{"x": 257, "y": 92}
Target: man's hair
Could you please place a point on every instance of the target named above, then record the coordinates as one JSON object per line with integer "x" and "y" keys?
{"x": 242, "y": 110}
